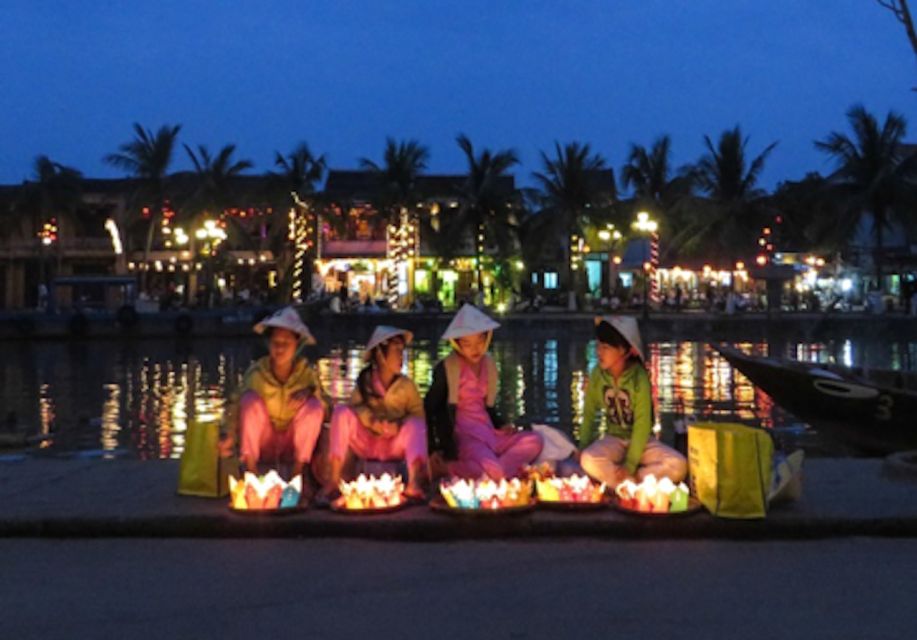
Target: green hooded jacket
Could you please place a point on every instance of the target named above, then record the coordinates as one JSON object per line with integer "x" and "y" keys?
{"x": 627, "y": 407}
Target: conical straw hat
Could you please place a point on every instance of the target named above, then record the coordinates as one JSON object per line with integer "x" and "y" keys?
{"x": 627, "y": 327}
{"x": 467, "y": 322}
{"x": 287, "y": 318}
{"x": 383, "y": 333}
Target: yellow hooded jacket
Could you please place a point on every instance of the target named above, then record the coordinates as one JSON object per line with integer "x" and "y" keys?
{"x": 276, "y": 395}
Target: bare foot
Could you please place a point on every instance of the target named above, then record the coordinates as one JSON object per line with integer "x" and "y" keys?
{"x": 439, "y": 468}
{"x": 414, "y": 493}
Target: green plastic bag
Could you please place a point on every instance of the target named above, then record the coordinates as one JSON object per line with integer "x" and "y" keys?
{"x": 730, "y": 467}
{"x": 203, "y": 471}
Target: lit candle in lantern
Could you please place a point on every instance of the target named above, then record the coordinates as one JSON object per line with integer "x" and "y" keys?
{"x": 653, "y": 496}
{"x": 268, "y": 492}
{"x": 679, "y": 499}
{"x": 369, "y": 492}
{"x": 572, "y": 489}
{"x": 486, "y": 493}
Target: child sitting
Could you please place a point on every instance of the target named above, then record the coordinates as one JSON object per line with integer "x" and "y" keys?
{"x": 385, "y": 418}
{"x": 467, "y": 435}
{"x": 279, "y": 409}
{"x": 620, "y": 385}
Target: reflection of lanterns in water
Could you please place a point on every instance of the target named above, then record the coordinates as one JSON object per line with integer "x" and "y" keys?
{"x": 575, "y": 488}
{"x": 653, "y": 496}
{"x": 370, "y": 492}
{"x": 45, "y": 411}
{"x": 486, "y": 493}
{"x": 267, "y": 492}
{"x": 111, "y": 412}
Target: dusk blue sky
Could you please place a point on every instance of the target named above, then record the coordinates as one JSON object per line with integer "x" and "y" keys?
{"x": 344, "y": 75}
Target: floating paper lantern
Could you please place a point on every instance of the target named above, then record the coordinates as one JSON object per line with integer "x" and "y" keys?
{"x": 653, "y": 496}
{"x": 370, "y": 492}
{"x": 264, "y": 493}
{"x": 573, "y": 489}
{"x": 486, "y": 493}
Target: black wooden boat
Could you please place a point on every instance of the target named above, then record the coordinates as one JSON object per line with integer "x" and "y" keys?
{"x": 875, "y": 411}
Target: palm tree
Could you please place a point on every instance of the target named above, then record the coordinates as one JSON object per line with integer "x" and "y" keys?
{"x": 486, "y": 210}
{"x": 300, "y": 170}
{"x": 214, "y": 194}
{"x": 875, "y": 175}
{"x": 402, "y": 164}
{"x": 809, "y": 217}
{"x": 293, "y": 188}
{"x": 655, "y": 188}
{"x": 571, "y": 192}
{"x": 719, "y": 223}
{"x": 215, "y": 191}
{"x": 55, "y": 193}
{"x": 147, "y": 158}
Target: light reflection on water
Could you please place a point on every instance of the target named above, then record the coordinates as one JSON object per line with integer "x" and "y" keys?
{"x": 140, "y": 397}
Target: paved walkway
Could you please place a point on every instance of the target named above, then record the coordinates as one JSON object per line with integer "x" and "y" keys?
{"x": 128, "y": 498}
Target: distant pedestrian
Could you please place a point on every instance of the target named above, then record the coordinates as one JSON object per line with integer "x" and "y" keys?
{"x": 42, "y": 296}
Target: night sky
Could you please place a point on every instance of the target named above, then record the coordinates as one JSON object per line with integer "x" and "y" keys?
{"x": 344, "y": 75}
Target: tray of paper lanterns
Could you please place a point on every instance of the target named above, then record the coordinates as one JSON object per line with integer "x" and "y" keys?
{"x": 652, "y": 497}
{"x": 484, "y": 497}
{"x": 369, "y": 494}
{"x": 571, "y": 493}
{"x": 265, "y": 495}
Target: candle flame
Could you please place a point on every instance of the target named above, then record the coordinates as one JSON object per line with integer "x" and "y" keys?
{"x": 652, "y": 495}
{"x": 265, "y": 492}
{"x": 370, "y": 492}
{"x": 486, "y": 493}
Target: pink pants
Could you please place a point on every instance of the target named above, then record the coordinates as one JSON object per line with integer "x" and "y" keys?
{"x": 506, "y": 459}
{"x": 349, "y": 434}
{"x": 260, "y": 440}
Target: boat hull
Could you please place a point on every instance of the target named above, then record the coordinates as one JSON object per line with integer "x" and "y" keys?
{"x": 852, "y": 410}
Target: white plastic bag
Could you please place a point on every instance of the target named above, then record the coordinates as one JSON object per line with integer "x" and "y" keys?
{"x": 557, "y": 445}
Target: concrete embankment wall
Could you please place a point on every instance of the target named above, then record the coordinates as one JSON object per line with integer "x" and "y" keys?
{"x": 799, "y": 327}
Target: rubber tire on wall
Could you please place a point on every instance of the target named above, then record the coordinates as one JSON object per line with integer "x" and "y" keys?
{"x": 78, "y": 325}
{"x": 127, "y": 317}
{"x": 184, "y": 324}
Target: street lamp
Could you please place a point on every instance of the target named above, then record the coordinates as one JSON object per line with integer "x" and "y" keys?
{"x": 644, "y": 224}
{"x": 211, "y": 234}
{"x": 610, "y": 236}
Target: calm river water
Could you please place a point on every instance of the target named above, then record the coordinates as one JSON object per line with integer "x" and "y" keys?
{"x": 136, "y": 398}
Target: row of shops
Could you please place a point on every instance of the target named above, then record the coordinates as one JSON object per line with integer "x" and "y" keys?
{"x": 806, "y": 282}
{"x": 365, "y": 258}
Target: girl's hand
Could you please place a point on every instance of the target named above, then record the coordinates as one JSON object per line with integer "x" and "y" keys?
{"x": 298, "y": 399}
{"x": 386, "y": 428}
{"x": 227, "y": 446}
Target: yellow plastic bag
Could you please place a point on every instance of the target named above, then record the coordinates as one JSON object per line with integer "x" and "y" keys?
{"x": 202, "y": 471}
{"x": 730, "y": 467}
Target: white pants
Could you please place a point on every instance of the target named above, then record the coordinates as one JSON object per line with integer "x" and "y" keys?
{"x": 604, "y": 458}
